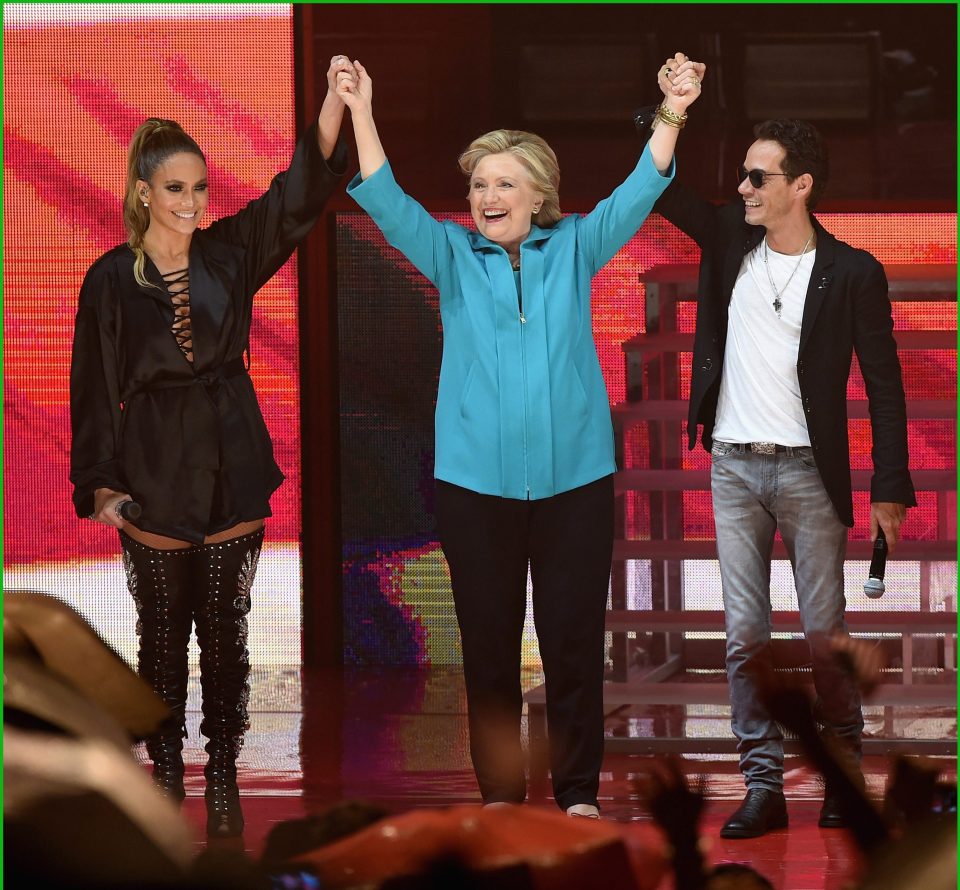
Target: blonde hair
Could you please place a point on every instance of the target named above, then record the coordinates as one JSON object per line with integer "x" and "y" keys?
{"x": 534, "y": 153}
{"x": 153, "y": 142}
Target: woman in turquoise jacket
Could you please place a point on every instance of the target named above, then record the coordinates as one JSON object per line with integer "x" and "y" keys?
{"x": 524, "y": 440}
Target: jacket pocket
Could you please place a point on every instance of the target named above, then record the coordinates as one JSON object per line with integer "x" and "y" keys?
{"x": 467, "y": 388}
{"x": 580, "y": 400}
{"x": 720, "y": 450}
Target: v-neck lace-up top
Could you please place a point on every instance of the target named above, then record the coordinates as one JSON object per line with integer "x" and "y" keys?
{"x": 178, "y": 286}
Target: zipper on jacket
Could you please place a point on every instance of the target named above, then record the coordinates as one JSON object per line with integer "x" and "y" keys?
{"x": 523, "y": 370}
{"x": 523, "y": 377}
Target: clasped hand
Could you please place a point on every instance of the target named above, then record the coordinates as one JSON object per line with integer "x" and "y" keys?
{"x": 680, "y": 80}
{"x": 355, "y": 87}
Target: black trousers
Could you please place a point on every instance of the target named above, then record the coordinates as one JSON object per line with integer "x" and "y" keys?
{"x": 567, "y": 541}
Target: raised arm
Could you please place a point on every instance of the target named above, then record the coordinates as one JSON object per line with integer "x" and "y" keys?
{"x": 331, "y": 112}
{"x": 680, "y": 82}
{"x": 616, "y": 218}
{"x": 272, "y": 225}
{"x": 356, "y": 91}
{"x": 404, "y": 223}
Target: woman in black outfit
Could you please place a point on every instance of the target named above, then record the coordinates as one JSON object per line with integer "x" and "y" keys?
{"x": 164, "y": 413}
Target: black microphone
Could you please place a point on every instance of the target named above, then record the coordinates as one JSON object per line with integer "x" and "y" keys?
{"x": 874, "y": 587}
{"x": 130, "y": 511}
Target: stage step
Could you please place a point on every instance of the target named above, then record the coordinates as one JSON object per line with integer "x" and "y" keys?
{"x": 701, "y": 621}
{"x": 618, "y": 695}
{"x": 908, "y": 282}
{"x": 627, "y": 413}
{"x": 674, "y": 745}
{"x": 924, "y": 551}
{"x": 682, "y": 341}
{"x": 699, "y": 480}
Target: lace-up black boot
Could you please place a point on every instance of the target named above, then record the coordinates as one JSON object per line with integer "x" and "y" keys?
{"x": 229, "y": 569}
{"x": 159, "y": 582}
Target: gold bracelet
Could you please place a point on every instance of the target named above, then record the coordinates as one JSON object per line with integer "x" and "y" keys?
{"x": 672, "y": 115}
{"x": 671, "y": 118}
{"x": 658, "y": 120}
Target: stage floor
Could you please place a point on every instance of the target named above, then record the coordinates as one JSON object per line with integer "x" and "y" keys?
{"x": 398, "y": 737}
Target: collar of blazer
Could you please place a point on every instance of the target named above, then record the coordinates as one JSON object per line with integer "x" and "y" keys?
{"x": 821, "y": 277}
{"x": 480, "y": 242}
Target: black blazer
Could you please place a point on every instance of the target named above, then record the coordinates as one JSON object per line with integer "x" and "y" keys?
{"x": 847, "y": 309}
{"x": 187, "y": 440}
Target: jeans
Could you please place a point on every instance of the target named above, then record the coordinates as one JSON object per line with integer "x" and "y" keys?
{"x": 753, "y": 496}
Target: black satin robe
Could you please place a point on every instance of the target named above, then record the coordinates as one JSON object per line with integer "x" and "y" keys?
{"x": 187, "y": 441}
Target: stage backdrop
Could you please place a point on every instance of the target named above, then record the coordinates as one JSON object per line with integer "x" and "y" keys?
{"x": 397, "y": 601}
{"x": 78, "y": 79}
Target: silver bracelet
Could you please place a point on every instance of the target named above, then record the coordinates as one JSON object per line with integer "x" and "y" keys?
{"x": 117, "y": 507}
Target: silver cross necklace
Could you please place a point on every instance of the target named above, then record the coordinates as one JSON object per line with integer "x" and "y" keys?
{"x": 777, "y": 302}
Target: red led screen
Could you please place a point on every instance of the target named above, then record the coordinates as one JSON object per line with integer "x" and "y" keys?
{"x": 78, "y": 79}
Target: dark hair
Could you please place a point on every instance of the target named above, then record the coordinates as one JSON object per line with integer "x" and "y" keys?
{"x": 805, "y": 150}
{"x": 153, "y": 142}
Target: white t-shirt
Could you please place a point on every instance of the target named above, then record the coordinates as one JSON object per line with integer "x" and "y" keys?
{"x": 759, "y": 392}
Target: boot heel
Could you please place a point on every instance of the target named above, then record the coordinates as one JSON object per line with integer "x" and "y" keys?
{"x": 224, "y": 814}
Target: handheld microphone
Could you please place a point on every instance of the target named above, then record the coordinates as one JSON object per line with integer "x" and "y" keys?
{"x": 129, "y": 511}
{"x": 874, "y": 586}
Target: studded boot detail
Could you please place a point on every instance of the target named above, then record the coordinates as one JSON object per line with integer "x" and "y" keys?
{"x": 159, "y": 582}
{"x": 229, "y": 569}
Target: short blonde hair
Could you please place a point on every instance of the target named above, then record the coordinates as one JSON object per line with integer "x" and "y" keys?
{"x": 534, "y": 153}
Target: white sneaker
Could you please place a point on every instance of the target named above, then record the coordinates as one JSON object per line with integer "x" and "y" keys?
{"x": 584, "y": 811}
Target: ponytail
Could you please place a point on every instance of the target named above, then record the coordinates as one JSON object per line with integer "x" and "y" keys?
{"x": 154, "y": 141}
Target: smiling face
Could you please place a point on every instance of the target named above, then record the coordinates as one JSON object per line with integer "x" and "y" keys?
{"x": 176, "y": 195}
{"x": 779, "y": 199}
{"x": 503, "y": 200}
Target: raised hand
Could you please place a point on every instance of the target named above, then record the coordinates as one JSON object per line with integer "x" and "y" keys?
{"x": 680, "y": 80}
{"x": 355, "y": 88}
{"x": 338, "y": 64}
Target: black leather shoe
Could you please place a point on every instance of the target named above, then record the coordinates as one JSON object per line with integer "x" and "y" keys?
{"x": 762, "y": 810}
{"x": 831, "y": 815}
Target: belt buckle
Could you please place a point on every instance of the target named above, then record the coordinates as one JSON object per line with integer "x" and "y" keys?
{"x": 763, "y": 447}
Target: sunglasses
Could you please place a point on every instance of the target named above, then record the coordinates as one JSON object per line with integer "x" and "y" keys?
{"x": 757, "y": 177}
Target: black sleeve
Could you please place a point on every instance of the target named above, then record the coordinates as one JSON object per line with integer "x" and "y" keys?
{"x": 690, "y": 213}
{"x": 877, "y": 353}
{"x": 94, "y": 396}
{"x": 271, "y": 226}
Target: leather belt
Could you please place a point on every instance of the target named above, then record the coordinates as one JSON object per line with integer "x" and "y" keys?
{"x": 761, "y": 447}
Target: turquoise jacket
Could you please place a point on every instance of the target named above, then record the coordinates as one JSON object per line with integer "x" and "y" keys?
{"x": 522, "y": 409}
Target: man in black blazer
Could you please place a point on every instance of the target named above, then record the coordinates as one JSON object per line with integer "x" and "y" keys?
{"x": 782, "y": 306}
